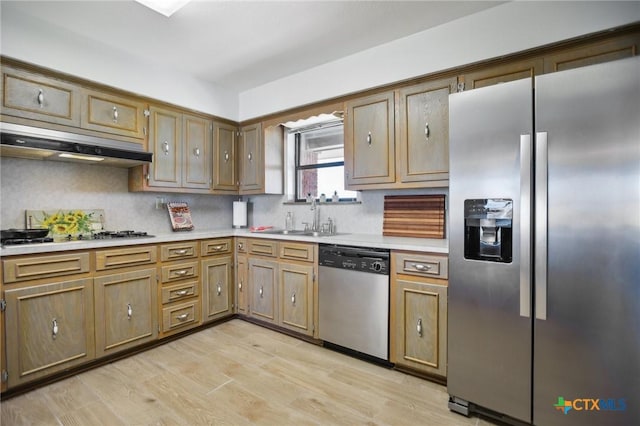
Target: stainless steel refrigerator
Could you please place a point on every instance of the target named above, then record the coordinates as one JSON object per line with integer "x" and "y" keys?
{"x": 544, "y": 279}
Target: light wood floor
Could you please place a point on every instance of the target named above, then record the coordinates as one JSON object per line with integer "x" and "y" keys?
{"x": 236, "y": 373}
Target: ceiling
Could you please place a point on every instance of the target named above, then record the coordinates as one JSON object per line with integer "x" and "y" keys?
{"x": 242, "y": 44}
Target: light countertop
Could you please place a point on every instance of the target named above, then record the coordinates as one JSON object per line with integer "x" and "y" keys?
{"x": 360, "y": 240}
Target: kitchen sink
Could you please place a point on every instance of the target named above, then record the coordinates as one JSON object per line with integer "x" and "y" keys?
{"x": 301, "y": 232}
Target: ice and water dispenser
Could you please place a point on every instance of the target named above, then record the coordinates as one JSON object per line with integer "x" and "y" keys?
{"x": 488, "y": 229}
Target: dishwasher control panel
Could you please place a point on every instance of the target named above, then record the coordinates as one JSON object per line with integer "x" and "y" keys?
{"x": 375, "y": 261}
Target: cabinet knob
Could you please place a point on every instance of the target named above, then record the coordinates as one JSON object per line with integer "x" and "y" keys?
{"x": 369, "y": 139}
{"x": 115, "y": 114}
{"x": 419, "y": 327}
{"x": 165, "y": 147}
{"x": 129, "y": 311}
{"x": 41, "y": 98}
{"x": 293, "y": 298}
{"x": 54, "y": 328}
{"x": 240, "y": 286}
{"x": 219, "y": 289}
{"x": 427, "y": 132}
{"x": 226, "y": 157}
{"x": 196, "y": 152}
{"x": 261, "y": 291}
{"x": 250, "y": 156}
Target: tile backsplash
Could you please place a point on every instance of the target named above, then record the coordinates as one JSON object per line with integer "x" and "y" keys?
{"x": 48, "y": 185}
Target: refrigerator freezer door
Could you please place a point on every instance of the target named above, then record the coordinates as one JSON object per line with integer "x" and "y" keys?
{"x": 490, "y": 334}
{"x": 588, "y": 347}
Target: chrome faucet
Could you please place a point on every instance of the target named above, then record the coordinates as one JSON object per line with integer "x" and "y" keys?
{"x": 315, "y": 208}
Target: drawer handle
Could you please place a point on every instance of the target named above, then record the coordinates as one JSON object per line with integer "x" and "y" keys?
{"x": 419, "y": 327}
{"x": 293, "y": 298}
{"x": 250, "y": 157}
{"x": 421, "y": 267}
{"x": 217, "y": 248}
{"x": 240, "y": 286}
{"x": 219, "y": 289}
{"x": 261, "y": 291}
{"x": 226, "y": 157}
{"x": 54, "y": 328}
{"x": 41, "y": 98}
{"x": 369, "y": 139}
{"x": 115, "y": 114}
{"x": 181, "y": 252}
{"x": 196, "y": 152}
{"x": 427, "y": 132}
{"x": 165, "y": 147}
{"x": 182, "y": 317}
{"x": 129, "y": 311}
{"x": 181, "y": 293}
{"x": 181, "y": 273}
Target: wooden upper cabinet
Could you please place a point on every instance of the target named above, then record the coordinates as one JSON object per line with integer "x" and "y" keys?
{"x": 369, "y": 140}
{"x": 110, "y": 113}
{"x": 165, "y": 137}
{"x": 196, "y": 154}
{"x": 423, "y": 131}
{"x": 225, "y": 169}
{"x": 251, "y": 159}
{"x": 502, "y": 73}
{"x": 36, "y": 97}
{"x": 593, "y": 53}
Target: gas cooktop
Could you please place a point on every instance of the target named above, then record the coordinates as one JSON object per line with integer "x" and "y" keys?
{"x": 100, "y": 235}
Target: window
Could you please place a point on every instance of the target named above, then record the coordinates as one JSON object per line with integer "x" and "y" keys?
{"x": 319, "y": 162}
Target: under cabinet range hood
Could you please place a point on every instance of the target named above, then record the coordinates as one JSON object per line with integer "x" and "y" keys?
{"x": 44, "y": 144}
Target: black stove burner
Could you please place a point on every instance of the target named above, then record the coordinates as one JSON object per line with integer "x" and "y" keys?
{"x": 17, "y": 241}
{"x": 108, "y": 235}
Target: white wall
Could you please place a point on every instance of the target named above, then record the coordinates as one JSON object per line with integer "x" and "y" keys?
{"x": 504, "y": 29}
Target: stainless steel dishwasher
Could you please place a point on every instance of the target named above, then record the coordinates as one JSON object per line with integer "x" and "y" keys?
{"x": 353, "y": 287}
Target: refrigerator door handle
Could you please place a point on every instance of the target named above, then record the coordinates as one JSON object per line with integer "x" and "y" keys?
{"x": 525, "y": 226}
{"x": 541, "y": 201}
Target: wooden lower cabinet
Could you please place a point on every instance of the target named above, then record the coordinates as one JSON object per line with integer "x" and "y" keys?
{"x": 49, "y": 328}
{"x": 418, "y": 312}
{"x": 263, "y": 304}
{"x": 126, "y": 310}
{"x": 297, "y": 297}
{"x": 217, "y": 288}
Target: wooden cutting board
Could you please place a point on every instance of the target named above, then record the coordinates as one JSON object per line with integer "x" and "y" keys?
{"x": 421, "y": 216}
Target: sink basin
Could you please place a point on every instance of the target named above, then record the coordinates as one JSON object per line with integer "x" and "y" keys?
{"x": 300, "y": 232}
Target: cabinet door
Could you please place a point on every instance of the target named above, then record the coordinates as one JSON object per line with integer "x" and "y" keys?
{"x": 225, "y": 169}
{"x": 424, "y": 131}
{"x": 369, "y": 140}
{"x": 296, "y": 297}
{"x": 241, "y": 285}
{"x": 251, "y": 159}
{"x": 502, "y": 73}
{"x": 419, "y": 326}
{"x": 126, "y": 310}
{"x": 49, "y": 328}
{"x": 217, "y": 288}
{"x": 262, "y": 282}
{"x": 109, "y": 113}
{"x": 37, "y": 97}
{"x": 196, "y": 167}
{"x": 165, "y": 139}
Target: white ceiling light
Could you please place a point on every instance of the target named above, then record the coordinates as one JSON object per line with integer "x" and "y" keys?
{"x": 164, "y": 7}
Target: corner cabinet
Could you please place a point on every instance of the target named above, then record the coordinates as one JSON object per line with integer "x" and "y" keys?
{"x": 261, "y": 160}
{"x": 418, "y": 331}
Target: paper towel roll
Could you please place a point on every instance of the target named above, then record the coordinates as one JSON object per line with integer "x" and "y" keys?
{"x": 239, "y": 214}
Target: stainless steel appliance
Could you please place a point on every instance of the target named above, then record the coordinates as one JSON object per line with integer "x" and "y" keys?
{"x": 353, "y": 288}
{"x": 544, "y": 287}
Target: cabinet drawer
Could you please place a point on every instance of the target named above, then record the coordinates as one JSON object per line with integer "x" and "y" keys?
{"x": 112, "y": 114}
{"x": 123, "y": 257}
{"x": 185, "y": 314}
{"x": 297, "y": 251}
{"x": 179, "y": 292}
{"x": 263, "y": 247}
{"x": 185, "y": 250}
{"x": 179, "y": 271}
{"x": 32, "y": 268}
{"x": 219, "y": 246}
{"x": 422, "y": 265}
{"x": 37, "y": 97}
